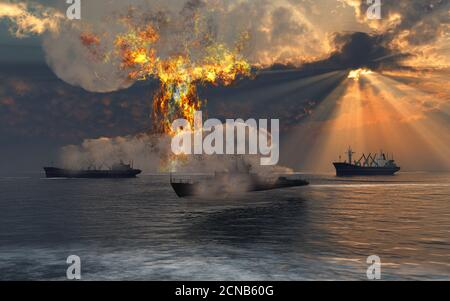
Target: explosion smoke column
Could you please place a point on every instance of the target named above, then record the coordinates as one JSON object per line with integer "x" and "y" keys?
{"x": 203, "y": 60}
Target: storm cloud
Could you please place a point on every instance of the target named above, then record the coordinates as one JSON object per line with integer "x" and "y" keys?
{"x": 360, "y": 50}
{"x": 415, "y": 22}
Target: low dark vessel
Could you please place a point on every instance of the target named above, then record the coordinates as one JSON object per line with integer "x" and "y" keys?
{"x": 119, "y": 170}
{"x": 223, "y": 183}
{"x": 371, "y": 165}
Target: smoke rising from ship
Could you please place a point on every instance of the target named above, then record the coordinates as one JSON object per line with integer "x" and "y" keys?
{"x": 152, "y": 153}
{"x": 144, "y": 150}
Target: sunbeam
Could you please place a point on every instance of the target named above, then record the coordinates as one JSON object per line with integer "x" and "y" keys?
{"x": 372, "y": 112}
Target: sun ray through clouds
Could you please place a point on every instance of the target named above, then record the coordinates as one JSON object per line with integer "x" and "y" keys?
{"x": 370, "y": 112}
{"x": 409, "y": 105}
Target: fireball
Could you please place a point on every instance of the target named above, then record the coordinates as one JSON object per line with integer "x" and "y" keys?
{"x": 178, "y": 75}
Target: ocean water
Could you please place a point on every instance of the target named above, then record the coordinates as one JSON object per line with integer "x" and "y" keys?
{"x": 138, "y": 229}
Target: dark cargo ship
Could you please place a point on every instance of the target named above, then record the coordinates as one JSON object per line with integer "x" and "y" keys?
{"x": 371, "y": 165}
{"x": 119, "y": 170}
{"x": 223, "y": 183}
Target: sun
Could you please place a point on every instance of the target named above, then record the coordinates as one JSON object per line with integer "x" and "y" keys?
{"x": 356, "y": 74}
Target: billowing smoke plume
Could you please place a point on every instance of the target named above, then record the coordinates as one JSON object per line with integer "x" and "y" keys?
{"x": 145, "y": 151}
{"x": 153, "y": 153}
{"x": 150, "y": 153}
{"x": 265, "y": 31}
{"x": 75, "y": 64}
{"x": 228, "y": 163}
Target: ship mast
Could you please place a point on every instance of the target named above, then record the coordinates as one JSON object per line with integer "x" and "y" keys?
{"x": 350, "y": 153}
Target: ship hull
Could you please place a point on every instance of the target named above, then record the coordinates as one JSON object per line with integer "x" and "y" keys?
{"x": 198, "y": 189}
{"x": 53, "y": 172}
{"x": 185, "y": 189}
{"x": 345, "y": 169}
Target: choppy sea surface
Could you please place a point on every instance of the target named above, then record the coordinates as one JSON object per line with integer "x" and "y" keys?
{"x": 138, "y": 229}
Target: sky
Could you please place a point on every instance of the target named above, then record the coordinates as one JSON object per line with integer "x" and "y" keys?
{"x": 333, "y": 77}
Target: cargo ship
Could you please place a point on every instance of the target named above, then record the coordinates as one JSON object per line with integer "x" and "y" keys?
{"x": 370, "y": 165}
{"x": 118, "y": 170}
{"x": 229, "y": 182}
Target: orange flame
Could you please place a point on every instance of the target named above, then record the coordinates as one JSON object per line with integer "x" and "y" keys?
{"x": 178, "y": 75}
